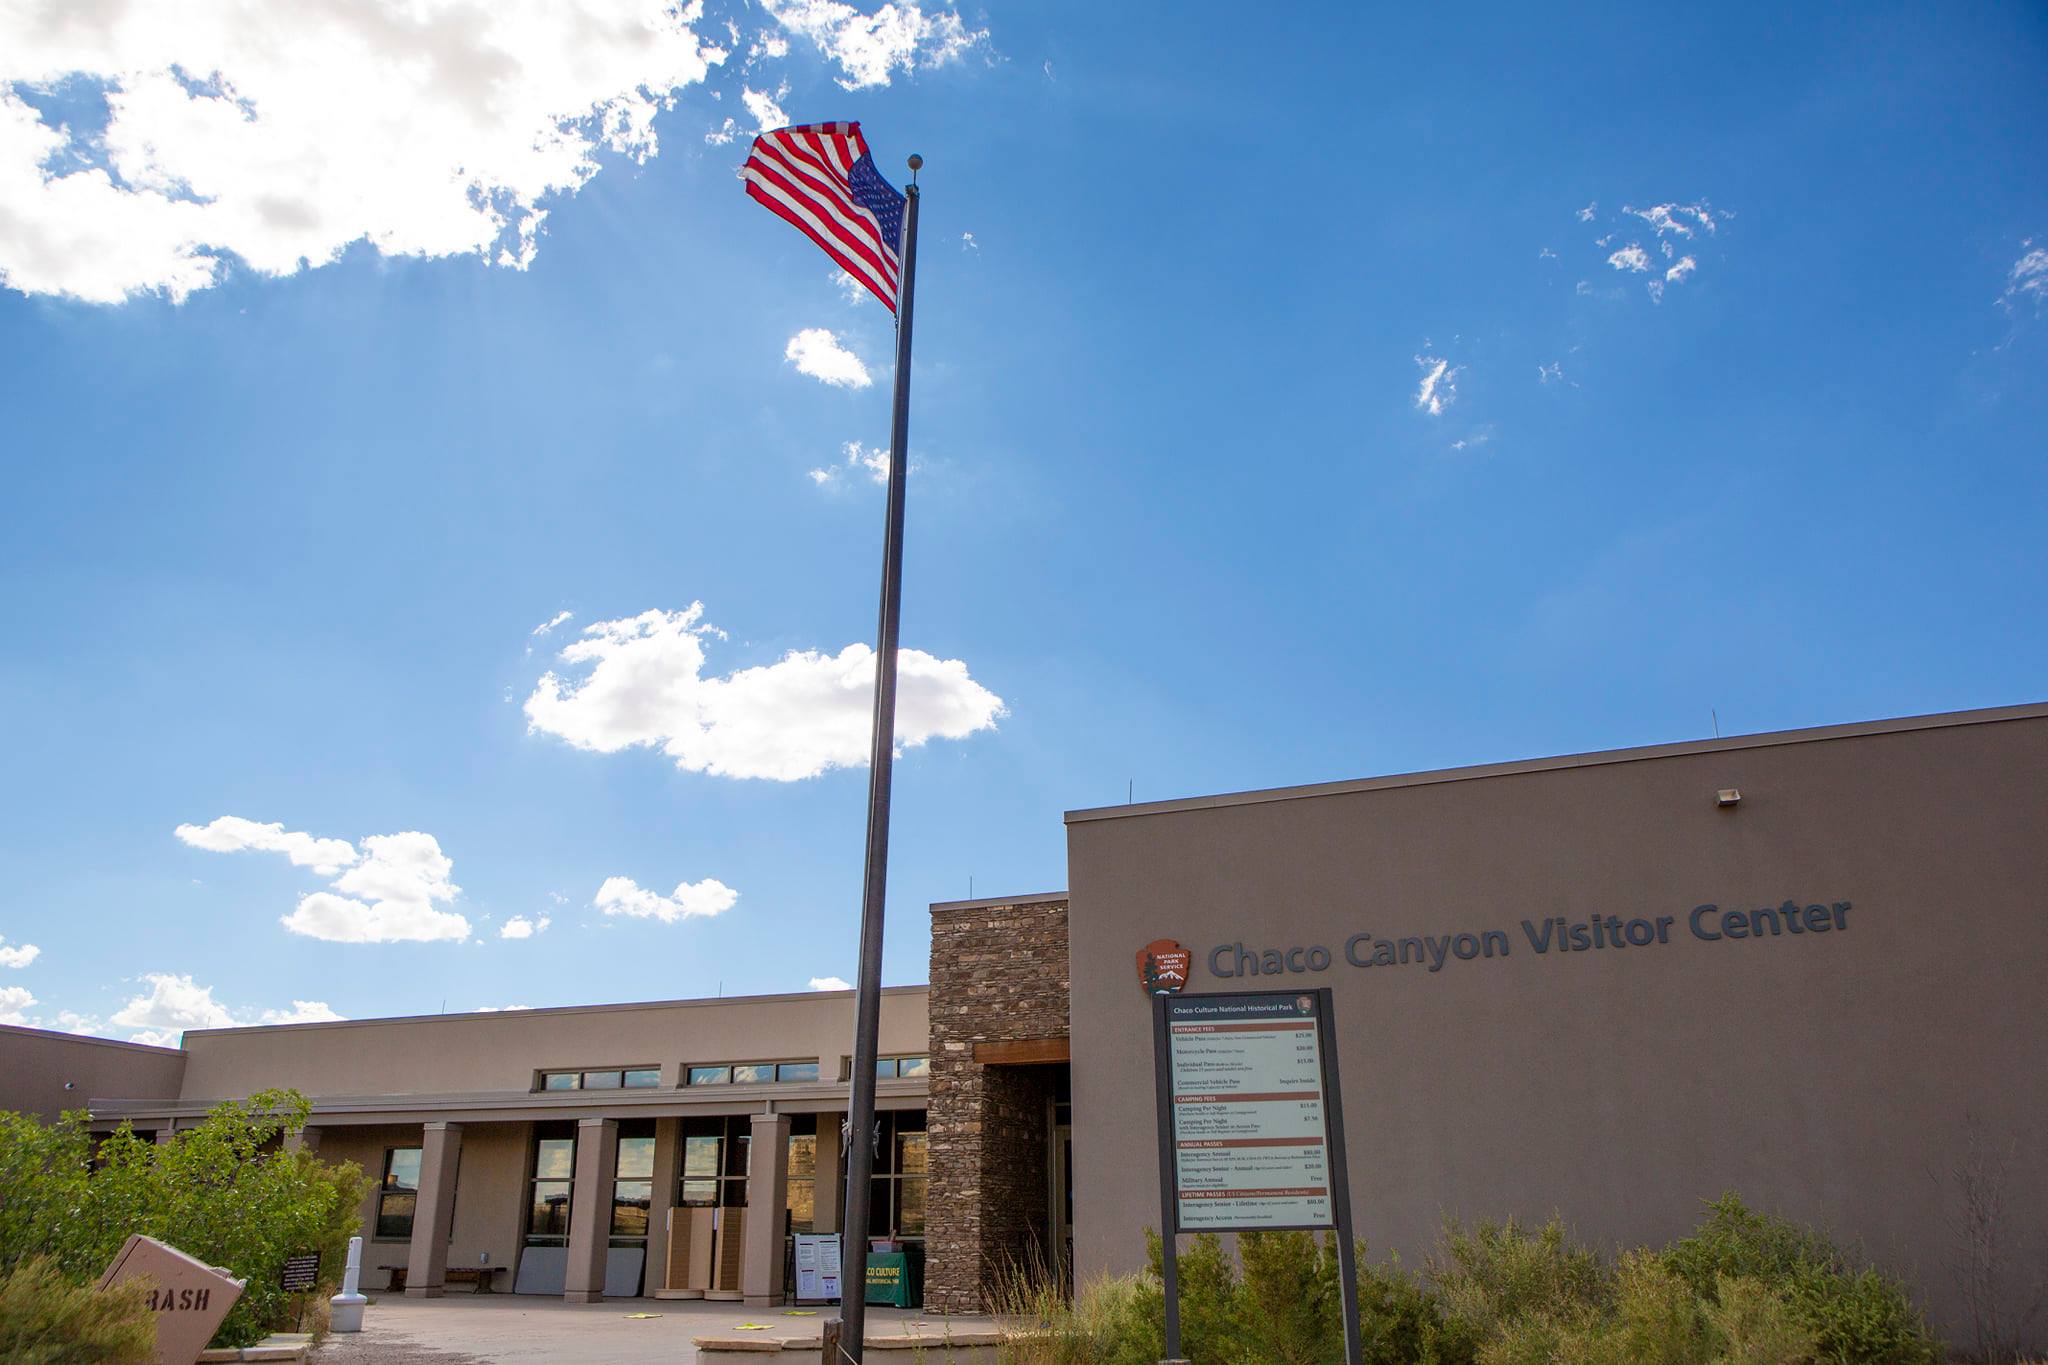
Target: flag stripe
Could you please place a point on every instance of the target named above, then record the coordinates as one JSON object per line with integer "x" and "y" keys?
{"x": 821, "y": 179}
{"x": 824, "y": 221}
{"x": 857, "y": 227}
{"x": 852, "y": 265}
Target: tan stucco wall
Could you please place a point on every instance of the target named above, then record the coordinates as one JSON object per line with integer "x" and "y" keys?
{"x": 1826, "y": 1076}
{"x": 365, "y": 1146}
{"x": 37, "y": 1066}
{"x": 439, "y": 1054}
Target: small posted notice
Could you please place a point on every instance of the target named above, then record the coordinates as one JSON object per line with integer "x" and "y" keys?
{"x": 1249, "y": 1118}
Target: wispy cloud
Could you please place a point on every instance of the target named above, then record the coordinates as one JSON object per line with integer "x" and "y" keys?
{"x": 1439, "y": 387}
{"x": 1630, "y": 257}
{"x": 816, "y": 352}
{"x": 557, "y": 619}
{"x": 869, "y": 48}
{"x": 855, "y": 459}
{"x": 2027, "y": 283}
{"x": 1585, "y": 215}
{"x": 764, "y": 108}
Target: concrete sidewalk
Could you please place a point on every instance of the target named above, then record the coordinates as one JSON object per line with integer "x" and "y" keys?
{"x": 485, "y": 1329}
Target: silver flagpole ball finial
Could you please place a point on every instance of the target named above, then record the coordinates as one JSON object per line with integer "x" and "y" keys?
{"x": 916, "y": 162}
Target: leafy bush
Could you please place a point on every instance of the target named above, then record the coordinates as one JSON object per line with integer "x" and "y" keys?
{"x": 1402, "y": 1322}
{"x": 1492, "y": 1274}
{"x": 1853, "y": 1313}
{"x": 47, "y": 1320}
{"x": 221, "y": 1192}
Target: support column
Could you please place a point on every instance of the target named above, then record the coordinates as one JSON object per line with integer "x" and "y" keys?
{"x": 668, "y": 1155}
{"x": 831, "y": 1175}
{"x": 590, "y": 1209}
{"x": 767, "y": 1201}
{"x": 426, "y": 1267}
{"x": 166, "y": 1134}
{"x": 306, "y": 1140}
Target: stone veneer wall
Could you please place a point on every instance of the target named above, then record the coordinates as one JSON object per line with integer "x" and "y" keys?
{"x": 998, "y": 974}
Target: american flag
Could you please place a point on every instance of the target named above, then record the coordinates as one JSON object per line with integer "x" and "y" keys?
{"x": 821, "y": 178}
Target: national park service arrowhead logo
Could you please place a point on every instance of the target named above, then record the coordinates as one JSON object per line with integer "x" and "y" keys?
{"x": 1163, "y": 967}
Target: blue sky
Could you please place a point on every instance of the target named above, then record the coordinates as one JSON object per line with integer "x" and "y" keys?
{"x": 1187, "y": 513}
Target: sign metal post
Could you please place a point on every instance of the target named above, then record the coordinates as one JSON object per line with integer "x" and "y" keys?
{"x": 1251, "y": 1129}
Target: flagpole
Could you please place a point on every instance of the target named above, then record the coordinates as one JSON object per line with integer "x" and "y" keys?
{"x": 860, "y": 1119}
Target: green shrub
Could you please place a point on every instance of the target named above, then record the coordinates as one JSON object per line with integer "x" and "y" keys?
{"x": 1292, "y": 1303}
{"x": 1492, "y": 1274}
{"x": 1852, "y": 1313}
{"x": 47, "y": 1320}
{"x": 1400, "y": 1321}
{"x": 221, "y": 1192}
{"x": 1755, "y": 1325}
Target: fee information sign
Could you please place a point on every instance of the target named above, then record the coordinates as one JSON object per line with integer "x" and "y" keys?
{"x": 1248, "y": 1112}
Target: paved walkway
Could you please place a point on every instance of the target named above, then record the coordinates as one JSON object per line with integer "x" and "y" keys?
{"x": 485, "y": 1329}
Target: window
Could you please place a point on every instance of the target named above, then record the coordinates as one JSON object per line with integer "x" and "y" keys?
{"x": 715, "y": 1162}
{"x": 891, "y": 1068}
{"x": 803, "y": 1172}
{"x": 398, "y": 1197}
{"x": 753, "y": 1073}
{"x": 630, "y": 1078}
{"x": 554, "y": 1174}
{"x": 633, "y": 1182}
{"x": 902, "y": 1173}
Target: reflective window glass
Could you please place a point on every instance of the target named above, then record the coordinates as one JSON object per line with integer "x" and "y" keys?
{"x": 797, "y": 1071}
{"x": 549, "y": 1214}
{"x": 912, "y": 1153}
{"x": 630, "y": 1201}
{"x": 701, "y": 1194}
{"x": 700, "y": 1156}
{"x": 914, "y": 1066}
{"x": 643, "y": 1078}
{"x": 636, "y": 1158}
{"x": 402, "y": 1169}
{"x": 554, "y": 1159}
{"x": 910, "y": 1206}
{"x": 710, "y": 1075}
{"x": 560, "y": 1080}
{"x": 885, "y": 1068}
{"x": 753, "y": 1073}
{"x": 600, "y": 1080}
{"x": 394, "y": 1214}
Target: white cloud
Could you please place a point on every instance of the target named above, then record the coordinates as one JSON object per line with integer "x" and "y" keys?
{"x": 850, "y": 289}
{"x": 519, "y": 926}
{"x": 174, "y": 1003}
{"x": 1546, "y": 254}
{"x": 1585, "y": 215}
{"x": 763, "y": 109}
{"x": 857, "y": 458}
{"x": 2028, "y": 279}
{"x": 280, "y": 134}
{"x": 967, "y": 243}
{"x": 388, "y": 890}
{"x": 899, "y": 36}
{"x": 1678, "y": 272}
{"x": 387, "y": 898}
{"x": 557, "y": 619}
{"x": 690, "y": 900}
{"x": 830, "y": 983}
{"x": 816, "y": 352}
{"x": 233, "y": 834}
{"x": 1656, "y": 290}
{"x": 1671, "y": 218}
{"x": 1551, "y": 373}
{"x": 14, "y": 1004}
{"x": 303, "y": 1012}
{"x": 723, "y": 133}
{"x": 1630, "y": 257}
{"x": 795, "y": 718}
{"x": 499, "y": 1009}
{"x": 19, "y": 956}
{"x": 1439, "y": 388}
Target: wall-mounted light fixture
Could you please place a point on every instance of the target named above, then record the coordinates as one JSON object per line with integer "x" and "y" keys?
{"x": 1727, "y": 796}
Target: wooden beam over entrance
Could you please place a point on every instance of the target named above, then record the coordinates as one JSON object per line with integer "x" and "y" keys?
{"x": 1024, "y": 1052}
